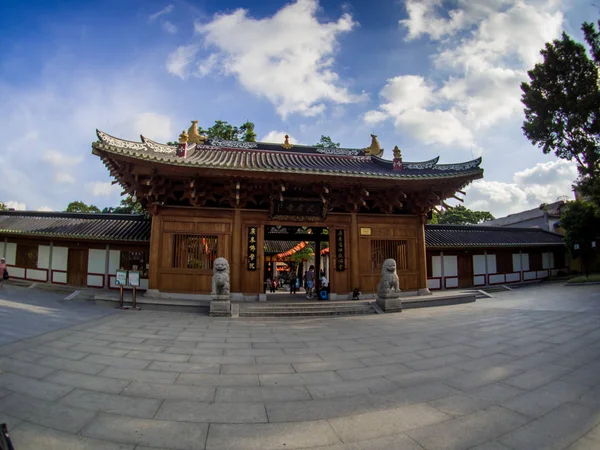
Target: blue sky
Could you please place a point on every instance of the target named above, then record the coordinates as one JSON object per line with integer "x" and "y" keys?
{"x": 434, "y": 77}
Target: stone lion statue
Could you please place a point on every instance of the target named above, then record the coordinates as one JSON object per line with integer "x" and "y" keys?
{"x": 389, "y": 285}
{"x": 220, "y": 281}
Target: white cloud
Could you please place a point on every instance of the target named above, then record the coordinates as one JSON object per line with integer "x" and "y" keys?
{"x": 278, "y": 136}
{"x": 179, "y": 60}
{"x": 287, "y": 58}
{"x": 103, "y": 189}
{"x": 166, "y": 10}
{"x": 10, "y": 204}
{"x": 60, "y": 160}
{"x": 543, "y": 183}
{"x": 169, "y": 27}
{"x": 63, "y": 177}
{"x": 45, "y": 208}
{"x": 486, "y": 48}
{"x": 154, "y": 126}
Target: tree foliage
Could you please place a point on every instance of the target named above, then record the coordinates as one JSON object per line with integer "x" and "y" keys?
{"x": 223, "y": 130}
{"x": 581, "y": 222}
{"x": 562, "y": 103}
{"x": 127, "y": 206}
{"x": 327, "y": 142}
{"x": 461, "y": 215}
{"x": 2, "y": 206}
{"x": 79, "y": 206}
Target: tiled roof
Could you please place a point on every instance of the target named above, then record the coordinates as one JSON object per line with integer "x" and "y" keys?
{"x": 99, "y": 227}
{"x": 552, "y": 210}
{"x": 469, "y": 236}
{"x": 268, "y": 157}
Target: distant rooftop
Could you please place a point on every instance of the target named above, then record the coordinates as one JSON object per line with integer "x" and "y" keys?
{"x": 552, "y": 210}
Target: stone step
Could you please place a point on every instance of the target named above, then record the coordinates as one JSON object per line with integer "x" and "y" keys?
{"x": 299, "y": 313}
{"x": 305, "y": 309}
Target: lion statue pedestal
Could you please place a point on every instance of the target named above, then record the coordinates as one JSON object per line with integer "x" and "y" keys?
{"x": 220, "y": 305}
{"x": 388, "y": 289}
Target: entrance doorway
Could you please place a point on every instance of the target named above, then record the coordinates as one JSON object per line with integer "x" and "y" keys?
{"x": 77, "y": 266}
{"x": 289, "y": 251}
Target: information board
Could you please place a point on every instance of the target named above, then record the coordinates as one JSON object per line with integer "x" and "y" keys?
{"x": 121, "y": 279}
{"x": 134, "y": 278}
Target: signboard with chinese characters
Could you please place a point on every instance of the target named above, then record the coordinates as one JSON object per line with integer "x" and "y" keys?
{"x": 298, "y": 210}
{"x": 252, "y": 248}
{"x": 134, "y": 278}
{"x": 340, "y": 251}
{"x": 121, "y": 278}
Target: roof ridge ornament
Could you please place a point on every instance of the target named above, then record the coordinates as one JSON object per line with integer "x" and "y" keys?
{"x": 183, "y": 137}
{"x": 193, "y": 136}
{"x": 287, "y": 144}
{"x": 374, "y": 149}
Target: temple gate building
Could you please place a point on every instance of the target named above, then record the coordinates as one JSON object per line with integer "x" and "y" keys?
{"x": 212, "y": 198}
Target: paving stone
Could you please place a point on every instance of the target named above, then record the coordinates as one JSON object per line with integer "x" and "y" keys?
{"x": 445, "y": 350}
{"x": 394, "y": 442}
{"x": 374, "y": 371}
{"x": 271, "y": 436}
{"x": 194, "y": 351}
{"x": 32, "y": 386}
{"x": 184, "y": 367}
{"x": 239, "y": 412}
{"x": 101, "y": 350}
{"x": 540, "y": 401}
{"x": 537, "y": 377}
{"x": 31, "y": 436}
{"x": 158, "y": 433}
{"x": 118, "y": 362}
{"x": 288, "y": 359}
{"x": 222, "y": 359}
{"x": 149, "y": 376}
{"x": 91, "y": 382}
{"x": 140, "y": 347}
{"x": 10, "y": 421}
{"x": 461, "y": 404}
{"x": 194, "y": 379}
{"x": 24, "y": 368}
{"x": 154, "y": 356}
{"x": 72, "y": 366}
{"x": 424, "y": 376}
{"x": 438, "y": 361}
{"x": 523, "y": 350}
{"x": 468, "y": 431}
{"x": 491, "y": 446}
{"x": 384, "y": 423}
{"x": 483, "y": 377}
{"x": 556, "y": 430}
{"x": 60, "y": 352}
{"x": 389, "y": 359}
{"x": 261, "y": 394}
{"x": 110, "y": 403}
{"x": 584, "y": 443}
{"x": 49, "y": 414}
{"x": 587, "y": 375}
{"x": 254, "y": 352}
{"x": 298, "y": 379}
{"x": 324, "y": 366}
{"x": 234, "y": 369}
{"x": 486, "y": 362}
{"x": 27, "y": 356}
{"x": 495, "y": 392}
{"x": 169, "y": 392}
{"x": 367, "y": 386}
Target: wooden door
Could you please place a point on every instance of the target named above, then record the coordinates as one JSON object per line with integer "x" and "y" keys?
{"x": 77, "y": 267}
{"x": 465, "y": 270}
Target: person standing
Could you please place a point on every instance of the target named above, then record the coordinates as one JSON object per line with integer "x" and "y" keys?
{"x": 3, "y": 272}
{"x": 310, "y": 282}
{"x": 293, "y": 284}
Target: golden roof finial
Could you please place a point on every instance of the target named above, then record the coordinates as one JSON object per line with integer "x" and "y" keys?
{"x": 194, "y": 137}
{"x": 397, "y": 153}
{"x": 374, "y": 149}
{"x": 287, "y": 144}
{"x": 183, "y": 137}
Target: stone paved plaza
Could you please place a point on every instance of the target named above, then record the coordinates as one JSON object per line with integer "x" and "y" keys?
{"x": 518, "y": 371}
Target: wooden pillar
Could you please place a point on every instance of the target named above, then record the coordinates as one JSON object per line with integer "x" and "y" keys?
{"x": 317, "y": 263}
{"x": 486, "y": 267}
{"x": 443, "y": 283}
{"x": 354, "y": 262}
{"x": 155, "y": 247}
{"x": 49, "y": 280}
{"x": 422, "y": 256}
{"x": 107, "y": 268}
{"x": 236, "y": 252}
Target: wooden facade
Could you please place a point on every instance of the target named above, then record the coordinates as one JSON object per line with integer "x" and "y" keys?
{"x": 204, "y": 196}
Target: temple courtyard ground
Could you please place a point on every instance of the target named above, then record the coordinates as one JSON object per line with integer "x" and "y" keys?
{"x": 517, "y": 371}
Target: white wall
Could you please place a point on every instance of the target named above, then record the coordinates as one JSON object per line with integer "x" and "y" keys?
{"x": 11, "y": 253}
{"x": 525, "y": 261}
{"x": 436, "y": 266}
{"x": 96, "y": 261}
{"x": 60, "y": 257}
{"x": 451, "y": 282}
{"x": 43, "y": 259}
{"x": 114, "y": 261}
{"x": 498, "y": 278}
{"x": 511, "y": 277}
{"x": 516, "y": 262}
{"x": 38, "y": 275}
{"x": 478, "y": 264}
{"x": 59, "y": 277}
{"x": 433, "y": 284}
{"x": 450, "y": 266}
{"x": 548, "y": 260}
{"x": 95, "y": 280}
{"x": 491, "y": 264}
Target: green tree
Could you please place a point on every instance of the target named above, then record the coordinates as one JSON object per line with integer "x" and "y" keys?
{"x": 78, "y": 206}
{"x": 224, "y": 130}
{"x": 2, "y": 206}
{"x": 461, "y": 215}
{"x": 581, "y": 222}
{"x": 326, "y": 142}
{"x": 127, "y": 206}
{"x": 562, "y": 104}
